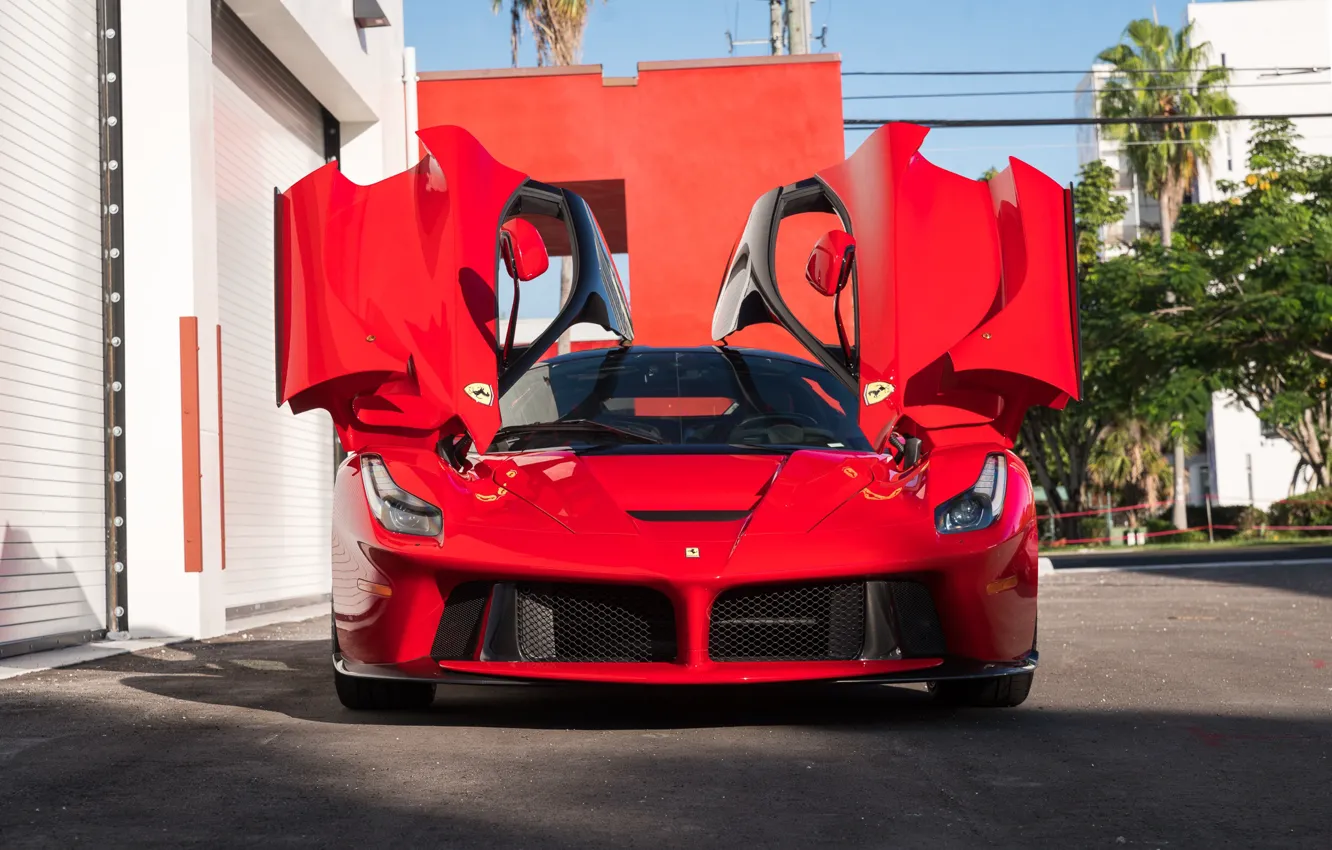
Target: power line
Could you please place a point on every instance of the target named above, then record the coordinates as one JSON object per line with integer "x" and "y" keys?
{"x": 915, "y": 95}
{"x": 1017, "y": 146}
{"x": 871, "y": 123}
{"x": 1281, "y": 70}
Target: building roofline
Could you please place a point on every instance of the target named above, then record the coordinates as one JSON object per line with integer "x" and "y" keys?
{"x": 731, "y": 61}
{"x": 643, "y": 67}
{"x": 506, "y": 73}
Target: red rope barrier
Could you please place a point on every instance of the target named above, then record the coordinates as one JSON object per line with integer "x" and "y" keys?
{"x": 1103, "y": 511}
{"x": 1173, "y": 531}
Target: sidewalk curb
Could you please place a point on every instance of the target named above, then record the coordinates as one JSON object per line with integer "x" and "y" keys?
{"x": 68, "y": 656}
{"x": 1044, "y": 566}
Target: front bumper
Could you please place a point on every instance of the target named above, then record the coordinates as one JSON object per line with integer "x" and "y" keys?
{"x": 428, "y": 670}
{"x": 980, "y": 589}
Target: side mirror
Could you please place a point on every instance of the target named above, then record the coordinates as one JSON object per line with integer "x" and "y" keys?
{"x": 828, "y": 270}
{"x": 523, "y": 250}
{"x": 525, "y": 258}
{"x": 829, "y": 266}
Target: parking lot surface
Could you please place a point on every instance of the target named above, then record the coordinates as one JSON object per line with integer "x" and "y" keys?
{"x": 1185, "y": 708}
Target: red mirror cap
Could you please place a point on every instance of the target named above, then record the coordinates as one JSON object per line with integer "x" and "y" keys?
{"x": 829, "y": 264}
{"x": 524, "y": 252}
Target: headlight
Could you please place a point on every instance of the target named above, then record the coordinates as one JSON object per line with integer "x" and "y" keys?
{"x": 980, "y": 506}
{"x": 395, "y": 508}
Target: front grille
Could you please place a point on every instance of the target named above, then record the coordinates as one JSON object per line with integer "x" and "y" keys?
{"x": 918, "y": 630}
{"x": 460, "y": 625}
{"x": 592, "y": 622}
{"x": 810, "y": 622}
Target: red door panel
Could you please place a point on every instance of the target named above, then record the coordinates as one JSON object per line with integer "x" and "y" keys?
{"x": 966, "y": 306}
{"x": 386, "y": 299}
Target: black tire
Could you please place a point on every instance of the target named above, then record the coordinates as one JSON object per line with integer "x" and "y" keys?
{"x": 379, "y": 694}
{"x": 996, "y": 692}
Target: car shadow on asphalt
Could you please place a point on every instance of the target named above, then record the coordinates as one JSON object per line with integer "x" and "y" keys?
{"x": 295, "y": 678}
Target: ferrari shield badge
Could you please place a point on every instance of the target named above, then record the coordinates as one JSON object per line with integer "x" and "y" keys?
{"x": 691, "y": 551}
{"x": 876, "y": 392}
{"x": 480, "y": 393}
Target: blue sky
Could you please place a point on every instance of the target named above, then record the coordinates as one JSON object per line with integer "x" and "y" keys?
{"x": 870, "y": 35}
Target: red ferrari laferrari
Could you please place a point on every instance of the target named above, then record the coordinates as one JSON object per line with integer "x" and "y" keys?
{"x": 692, "y": 515}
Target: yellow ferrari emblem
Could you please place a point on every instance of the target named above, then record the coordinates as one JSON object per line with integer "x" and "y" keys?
{"x": 691, "y": 551}
{"x": 878, "y": 391}
{"x": 480, "y": 393}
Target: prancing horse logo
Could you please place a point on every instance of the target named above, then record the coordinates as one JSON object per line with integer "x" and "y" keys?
{"x": 691, "y": 551}
{"x": 480, "y": 393}
{"x": 877, "y": 392}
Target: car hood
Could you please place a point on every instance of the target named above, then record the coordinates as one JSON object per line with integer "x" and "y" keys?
{"x": 650, "y": 493}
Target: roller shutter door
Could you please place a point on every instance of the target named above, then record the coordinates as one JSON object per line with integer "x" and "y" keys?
{"x": 52, "y": 446}
{"x": 278, "y": 468}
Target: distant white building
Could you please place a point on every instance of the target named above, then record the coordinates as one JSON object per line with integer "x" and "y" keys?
{"x": 1281, "y": 55}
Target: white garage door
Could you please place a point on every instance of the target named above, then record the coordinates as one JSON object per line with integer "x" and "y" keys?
{"x": 278, "y": 468}
{"x": 52, "y": 466}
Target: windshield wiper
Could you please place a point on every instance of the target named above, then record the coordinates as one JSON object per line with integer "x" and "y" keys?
{"x": 765, "y": 448}
{"x": 574, "y": 426}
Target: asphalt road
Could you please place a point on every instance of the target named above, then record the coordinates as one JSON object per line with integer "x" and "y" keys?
{"x": 1190, "y": 708}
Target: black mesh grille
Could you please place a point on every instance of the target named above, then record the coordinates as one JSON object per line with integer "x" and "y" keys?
{"x": 918, "y": 630}
{"x": 460, "y": 624}
{"x": 573, "y": 622}
{"x": 813, "y": 622}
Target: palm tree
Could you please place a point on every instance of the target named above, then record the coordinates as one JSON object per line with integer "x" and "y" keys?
{"x": 1158, "y": 74}
{"x": 1128, "y": 461}
{"x": 558, "y": 28}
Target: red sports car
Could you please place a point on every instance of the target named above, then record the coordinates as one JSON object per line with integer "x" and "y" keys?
{"x": 692, "y": 515}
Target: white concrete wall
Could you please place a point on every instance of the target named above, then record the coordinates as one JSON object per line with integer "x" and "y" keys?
{"x": 1248, "y": 468}
{"x": 171, "y": 250}
{"x": 170, "y": 272}
{"x": 355, "y": 74}
{"x": 1264, "y": 34}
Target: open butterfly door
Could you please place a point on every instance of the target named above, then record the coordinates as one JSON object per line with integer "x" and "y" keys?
{"x": 386, "y": 296}
{"x": 965, "y": 292}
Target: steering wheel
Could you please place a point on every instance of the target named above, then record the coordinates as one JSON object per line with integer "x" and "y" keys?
{"x": 754, "y": 426}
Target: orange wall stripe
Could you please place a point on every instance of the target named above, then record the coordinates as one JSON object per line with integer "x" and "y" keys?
{"x": 221, "y": 467}
{"x": 190, "y": 471}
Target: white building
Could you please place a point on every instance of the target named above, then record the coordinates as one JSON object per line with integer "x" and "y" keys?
{"x": 140, "y": 144}
{"x": 1281, "y": 55}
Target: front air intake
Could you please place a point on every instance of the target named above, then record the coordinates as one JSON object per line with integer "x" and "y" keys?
{"x": 459, "y": 627}
{"x": 807, "y": 622}
{"x": 594, "y": 622}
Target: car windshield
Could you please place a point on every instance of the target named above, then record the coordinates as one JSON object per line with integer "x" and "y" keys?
{"x": 700, "y": 398}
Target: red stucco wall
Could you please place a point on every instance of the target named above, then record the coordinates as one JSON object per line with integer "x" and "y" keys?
{"x": 695, "y": 142}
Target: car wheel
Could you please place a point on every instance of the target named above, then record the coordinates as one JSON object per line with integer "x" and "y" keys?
{"x": 360, "y": 694}
{"x": 996, "y": 692}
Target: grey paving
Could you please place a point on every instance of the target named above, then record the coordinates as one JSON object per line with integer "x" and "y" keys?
{"x": 1190, "y": 708}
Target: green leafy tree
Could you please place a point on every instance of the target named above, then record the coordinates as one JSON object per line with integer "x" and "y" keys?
{"x": 1159, "y": 74}
{"x": 1135, "y": 376}
{"x": 1058, "y": 444}
{"x": 1262, "y": 326}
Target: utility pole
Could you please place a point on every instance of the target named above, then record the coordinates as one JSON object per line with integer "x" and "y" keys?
{"x": 775, "y": 27}
{"x": 797, "y": 26}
